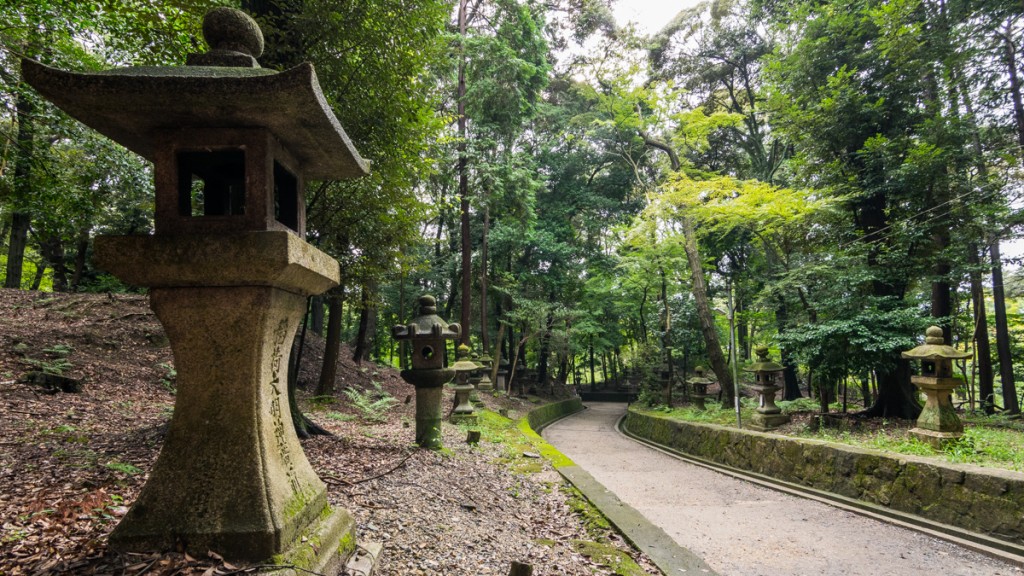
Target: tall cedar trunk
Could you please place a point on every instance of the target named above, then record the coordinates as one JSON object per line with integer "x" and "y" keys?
{"x": 332, "y": 347}
{"x": 316, "y": 316}
{"x": 666, "y": 340}
{"x": 643, "y": 323}
{"x": 980, "y": 336}
{"x": 81, "y": 256}
{"x": 304, "y": 427}
{"x": 38, "y": 279}
{"x": 545, "y": 348}
{"x": 1010, "y": 403}
{"x": 742, "y": 328}
{"x": 485, "y": 342}
{"x": 593, "y": 380}
{"x": 897, "y": 397}
{"x": 791, "y": 385}
{"x": 52, "y": 248}
{"x": 719, "y": 364}
{"x": 1010, "y": 59}
{"x": 467, "y": 261}
{"x": 367, "y": 324}
{"x": 21, "y": 220}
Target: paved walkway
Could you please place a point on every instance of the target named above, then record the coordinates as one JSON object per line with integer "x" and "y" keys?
{"x": 739, "y": 528}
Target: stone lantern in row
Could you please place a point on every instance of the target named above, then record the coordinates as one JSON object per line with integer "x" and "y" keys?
{"x": 427, "y": 334}
{"x": 938, "y": 422}
{"x": 699, "y": 388}
{"x": 485, "y": 384}
{"x": 767, "y": 416}
{"x": 464, "y": 373}
{"x": 228, "y": 272}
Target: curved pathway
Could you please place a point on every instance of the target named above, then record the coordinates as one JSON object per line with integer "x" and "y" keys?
{"x": 739, "y": 528}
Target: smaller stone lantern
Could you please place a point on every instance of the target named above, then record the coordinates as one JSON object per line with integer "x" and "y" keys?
{"x": 938, "y": 423}
{"x": 768, "y": 416}
{"x": 502, "y": 375}
{"x": 485, "y": 383}
{"x": 426, "y": 334}
{"x": 464, "y": 370}
{"x": 699, "y": 391}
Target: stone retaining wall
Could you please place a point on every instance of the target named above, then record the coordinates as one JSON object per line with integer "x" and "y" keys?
{"x": 540, "y": 417}
{"x": 986, "y": 500}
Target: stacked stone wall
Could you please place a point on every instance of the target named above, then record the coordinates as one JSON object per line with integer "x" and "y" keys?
{"x": 985, "y": 500}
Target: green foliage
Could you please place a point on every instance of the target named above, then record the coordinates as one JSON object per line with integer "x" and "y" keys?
{"x": 167, "y": 380}
{"x": 123, "y": 468}
{"x": 372, "y": 403}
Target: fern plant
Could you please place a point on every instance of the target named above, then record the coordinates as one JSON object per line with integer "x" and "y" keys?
{"x": 372, "y": 403}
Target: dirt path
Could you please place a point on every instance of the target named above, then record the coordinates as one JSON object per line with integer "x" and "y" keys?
{"x": 739, "y": 528}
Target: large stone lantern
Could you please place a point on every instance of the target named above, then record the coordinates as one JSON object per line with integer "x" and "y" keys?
{"x": 427, "y": 334}
{"x": 767, "y": 416}
{"x": 938, "y": 422}
{"x": 228, "y": 273}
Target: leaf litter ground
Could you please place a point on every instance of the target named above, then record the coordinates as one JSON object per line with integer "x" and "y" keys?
{"x": 72, "y": 463}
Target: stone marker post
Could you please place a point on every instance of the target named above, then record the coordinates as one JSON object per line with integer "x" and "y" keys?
{"x": 426, "y": 334}
{"x": 229, "y": 272}
{"x": 938, "y": 423}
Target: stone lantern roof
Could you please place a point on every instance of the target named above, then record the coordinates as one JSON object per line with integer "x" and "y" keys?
{"x": 427, "y": 325}
{"x": 223, "y": 88}
{"x": 764, "y": 364}
{"x": 934, "y": 348}
{"x": 699, "y": 377}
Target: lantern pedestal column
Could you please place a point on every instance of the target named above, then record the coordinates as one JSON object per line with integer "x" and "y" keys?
{"x": 938, "y": 423}
{"x": 768, "y": 416}
{"x": 231, "y": 476}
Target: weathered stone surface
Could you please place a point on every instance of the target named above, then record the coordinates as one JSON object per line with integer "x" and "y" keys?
{"x": 264, "y": 258}
{"x": 231, "y": 476}
{"x": 985, "y": 500}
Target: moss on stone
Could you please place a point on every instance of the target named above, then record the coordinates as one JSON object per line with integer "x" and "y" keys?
{"x": 609, "y": 556}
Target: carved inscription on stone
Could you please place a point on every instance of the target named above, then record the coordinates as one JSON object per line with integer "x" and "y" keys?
{"x": 280, "y": 335}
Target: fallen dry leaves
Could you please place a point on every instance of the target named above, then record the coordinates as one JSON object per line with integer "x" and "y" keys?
{"x": 71, "y": 464}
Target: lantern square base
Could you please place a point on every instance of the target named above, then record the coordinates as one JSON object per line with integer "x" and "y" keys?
{"x": 937, "y": 440}
{"x": 322, "y": 548}
{"x": 767, "y": 422}
{"x": 463, "y": 419}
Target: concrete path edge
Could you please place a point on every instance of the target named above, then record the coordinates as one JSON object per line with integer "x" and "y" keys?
{"x": 664, "y": 552}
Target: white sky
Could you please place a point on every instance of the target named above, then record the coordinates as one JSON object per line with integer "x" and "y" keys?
{"x": 649, "y": 15}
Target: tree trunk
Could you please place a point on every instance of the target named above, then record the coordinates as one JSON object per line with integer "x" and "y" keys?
{"x": 316, "y": 316}
{"x": 719, "y": 364}
{"x": 52, "y": 248}
{"x": 545, "y": 348}
{"x": 332, "y": 347}
{"x": 980, "y": 334}
{"x": 467, "y": 260}
{"x": 1010, "y": 403}
{"x": 38, "y": 279}
{"x": 1010, "y": 59}
{"x": 367, "y": 324}
{"x": 81, "y": 258}
{"x": 304, "y": 427}
{"x": 791, "y": 384}
{"x": 21, "y": 220}
{"x": 485, "y": 342}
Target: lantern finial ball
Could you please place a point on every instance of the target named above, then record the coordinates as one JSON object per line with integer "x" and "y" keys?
{"x": 934, "y": 335}
{"x": 230, "y": 29}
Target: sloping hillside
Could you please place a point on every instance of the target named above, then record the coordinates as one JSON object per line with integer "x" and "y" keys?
{"x": 72, "y": 462}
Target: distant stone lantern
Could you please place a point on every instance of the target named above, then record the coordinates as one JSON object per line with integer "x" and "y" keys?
{"x": 938, "y": 422}
{"x": 767, "y": 416}
{"x": 427, "y": 334}
{"x": 699, "y": 388}
{"x": 464, "y": 370}
{"x": 232, "y": 145}
{"x": 485, "y": 384}
{"x": 501, "y": 376}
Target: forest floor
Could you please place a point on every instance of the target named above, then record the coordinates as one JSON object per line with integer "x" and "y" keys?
{"x": 71, "y": 463}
